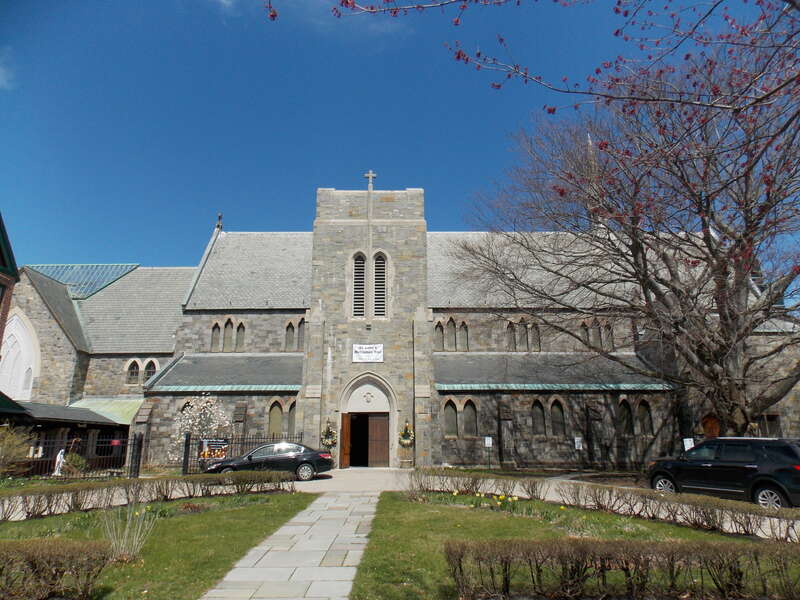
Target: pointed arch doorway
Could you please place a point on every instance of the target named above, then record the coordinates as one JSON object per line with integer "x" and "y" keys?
{"x": 365, "y": 425}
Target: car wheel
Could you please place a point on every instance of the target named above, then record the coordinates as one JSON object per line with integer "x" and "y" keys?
{"x": 769, "y": 497}
{"x": 227, "y": 470}
{"x": 662, "y": 483}
{"x": 305, "y": 472}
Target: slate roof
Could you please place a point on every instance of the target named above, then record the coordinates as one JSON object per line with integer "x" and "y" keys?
{"x": 245, "y": 270}
{"x": 445, "y": 287}
{"x": 231, "y": 372}
{"x": 55, "y": 412}
{"x": 84, "y": 280}
{"x": 138, "y": 313}
{"x": 578, "y": 371}
{"x": 56, "y": 296}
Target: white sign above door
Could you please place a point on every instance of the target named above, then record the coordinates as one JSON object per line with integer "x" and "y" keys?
{"x": 367, "y": 353}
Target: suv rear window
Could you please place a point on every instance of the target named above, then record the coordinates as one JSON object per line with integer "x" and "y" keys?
{"x": 780, "y": 452}
{"x": 738, "y": 451}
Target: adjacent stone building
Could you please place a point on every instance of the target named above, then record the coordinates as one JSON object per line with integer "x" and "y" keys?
{"x": 361, "y": 326}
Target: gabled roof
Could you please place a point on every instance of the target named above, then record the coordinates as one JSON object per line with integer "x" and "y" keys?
{"x": 120, "y": 409}
{"x": 138, "y": 313}
{"x": 84, "y": 280}
{"x": 231, "y": 372}
{"x": 8, "y": 265}
{"x": 243, "y": 270}
{"x": 539, "y": 371}
{"x": 56, "y": 297}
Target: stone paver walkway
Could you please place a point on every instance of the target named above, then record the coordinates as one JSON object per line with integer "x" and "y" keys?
{"x": 313, "y": 556}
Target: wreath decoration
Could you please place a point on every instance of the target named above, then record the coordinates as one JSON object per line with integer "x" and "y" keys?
{"x": 328, "y": 436}
{"x": 406, "y": 436}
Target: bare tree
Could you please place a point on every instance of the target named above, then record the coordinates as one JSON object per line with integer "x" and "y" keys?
{"x": 680, "y": 220}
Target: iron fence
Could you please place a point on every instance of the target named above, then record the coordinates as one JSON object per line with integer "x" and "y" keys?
{"x": 198, "y": 453}
{"x": 83, "y": 457}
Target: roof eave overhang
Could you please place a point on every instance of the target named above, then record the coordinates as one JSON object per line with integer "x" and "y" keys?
{"x": 178, "y": 389}
{"x": 549, "y": 387}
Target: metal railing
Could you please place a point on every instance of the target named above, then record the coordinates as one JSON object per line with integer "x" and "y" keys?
{"x": 199, "y": 452}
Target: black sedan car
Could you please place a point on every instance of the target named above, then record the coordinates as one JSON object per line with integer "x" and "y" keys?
{"x": 765, "y": 471}
{"x": 281, "y": 456}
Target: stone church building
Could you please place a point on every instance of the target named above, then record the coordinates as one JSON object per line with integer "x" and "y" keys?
{"x": 361, "y": 325}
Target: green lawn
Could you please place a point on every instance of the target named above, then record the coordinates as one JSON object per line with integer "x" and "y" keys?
{"x": 404, "y": 557}
{"x": 187, "y": 552}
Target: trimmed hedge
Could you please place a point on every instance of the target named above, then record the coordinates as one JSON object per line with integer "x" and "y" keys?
{"x": 702, "y": 512}
{"x": 37, "y": 569}
{"x": 587, "y": 568}
{"x": 41, "y": 501}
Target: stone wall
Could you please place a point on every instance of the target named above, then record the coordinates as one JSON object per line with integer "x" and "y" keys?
{"x": 596, "y": 418}
{"x": 57, "y": 382}
{"x": 265, "y": 330}
{"x": 106, "y": 375}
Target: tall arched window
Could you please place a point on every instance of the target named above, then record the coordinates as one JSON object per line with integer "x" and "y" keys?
{"x": 470, "y": 415}
{"x": 132, "y": 375}
{"x": 522, "y": 336}
{"x": 438, "y": 338}
{"x": 596, "y": 338}
{"x": 585, "y": 335}
{"x": 537, "y": 416}
{"x": 645, "y": 418}
{"x": 19, "y": 358}
{"x": 535, "y": 338}
{"x": 557, "y": 420}
{"x": 215, "y": 338}
{"x": 289, "y": 341}
{"x": 149, "y": 370}
{"x": 359, "y": 275}
{"x": 450, "y": 420}
{"x": 450, "y": 341}
{"x": 240, "y": 338}
{"x": 511, "y": 338}
{"x": 463, "y": 338}
{"x": 275, "y": 429}
{"x": 608, "y": 337}
{"x": 625, "y": 418}
{"x": 301, "y": 335}
{"x": 379, "y": 287}
{"x": 290, "y": 427}
{"x": 227, "y": 337}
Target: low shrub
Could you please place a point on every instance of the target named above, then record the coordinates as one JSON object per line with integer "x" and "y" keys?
{"x": 127, "y": 529}
{"x": 36, "y": 569}
{"x": 587, "y": 568}
{"x": 534, "y": 488}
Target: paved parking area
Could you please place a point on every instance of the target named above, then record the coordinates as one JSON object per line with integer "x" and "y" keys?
{"x": 313, "y": 556}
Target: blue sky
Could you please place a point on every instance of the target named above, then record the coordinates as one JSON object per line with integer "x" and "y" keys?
{"x": 126, "y": 126}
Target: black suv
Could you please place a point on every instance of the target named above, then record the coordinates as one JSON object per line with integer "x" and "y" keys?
{"x": 761, "y": 470}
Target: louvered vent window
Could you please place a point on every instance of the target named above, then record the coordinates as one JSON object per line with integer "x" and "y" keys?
{"x": 359, "y": 264}
{"x": 380, "y": 286}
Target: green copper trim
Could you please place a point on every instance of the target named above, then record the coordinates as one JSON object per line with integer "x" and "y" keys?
{"x": 581, "y": 387}
{"x": 225, "y": 388}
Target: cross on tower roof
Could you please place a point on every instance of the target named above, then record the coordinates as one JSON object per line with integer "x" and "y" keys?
{"x": 370, "y": 176}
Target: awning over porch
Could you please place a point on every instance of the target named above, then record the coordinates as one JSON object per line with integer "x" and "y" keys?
{"x": 230, "y": 372}
{"x": 121, "y": 410}
{"x": 539, "y": 371}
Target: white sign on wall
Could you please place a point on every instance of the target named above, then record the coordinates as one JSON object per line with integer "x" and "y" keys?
{"x": 487, "y": 441}
{"x": 367, "y": 353}
{"x": 578, "y": 442}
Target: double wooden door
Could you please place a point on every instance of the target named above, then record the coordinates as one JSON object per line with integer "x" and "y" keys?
{"x": 365, "y": 434}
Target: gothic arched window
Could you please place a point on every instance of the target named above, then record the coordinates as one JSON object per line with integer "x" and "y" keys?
{"x": 227, "y": 337}
{"x": 535, "y": 339}
{"x": 359, "y": 279}
{"x": 301, "y": 335}
{"x": 511, "y": 338}
{"x": 149, "y": 370}
{"x": 557, "y": 420}
{"x": 450, "y": 341}
{"x": 290, "y": 428}
{"x": 289, "y": 341}
{"x": 240, "y": 338}
{"x": 450, "y": 420}
{"x": 470, "y": 415}
{"x": 275, "y": 427}
{"x": 438, "y": 338}
{"x": 132, "y": 375}
{"x": 608, "y": 337}
{"x": 379, "y": 287}
{"x": 585, "y": 335}
{"x": 625, "y": 418}
{"x": 537, "y": 416}
{"x": 522, "y": 337}
{"x": 645, "y": 418}
{"x": 595, "y": 331}
{"x": 463, "y": 338}
{"x": 215, "y": 338}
